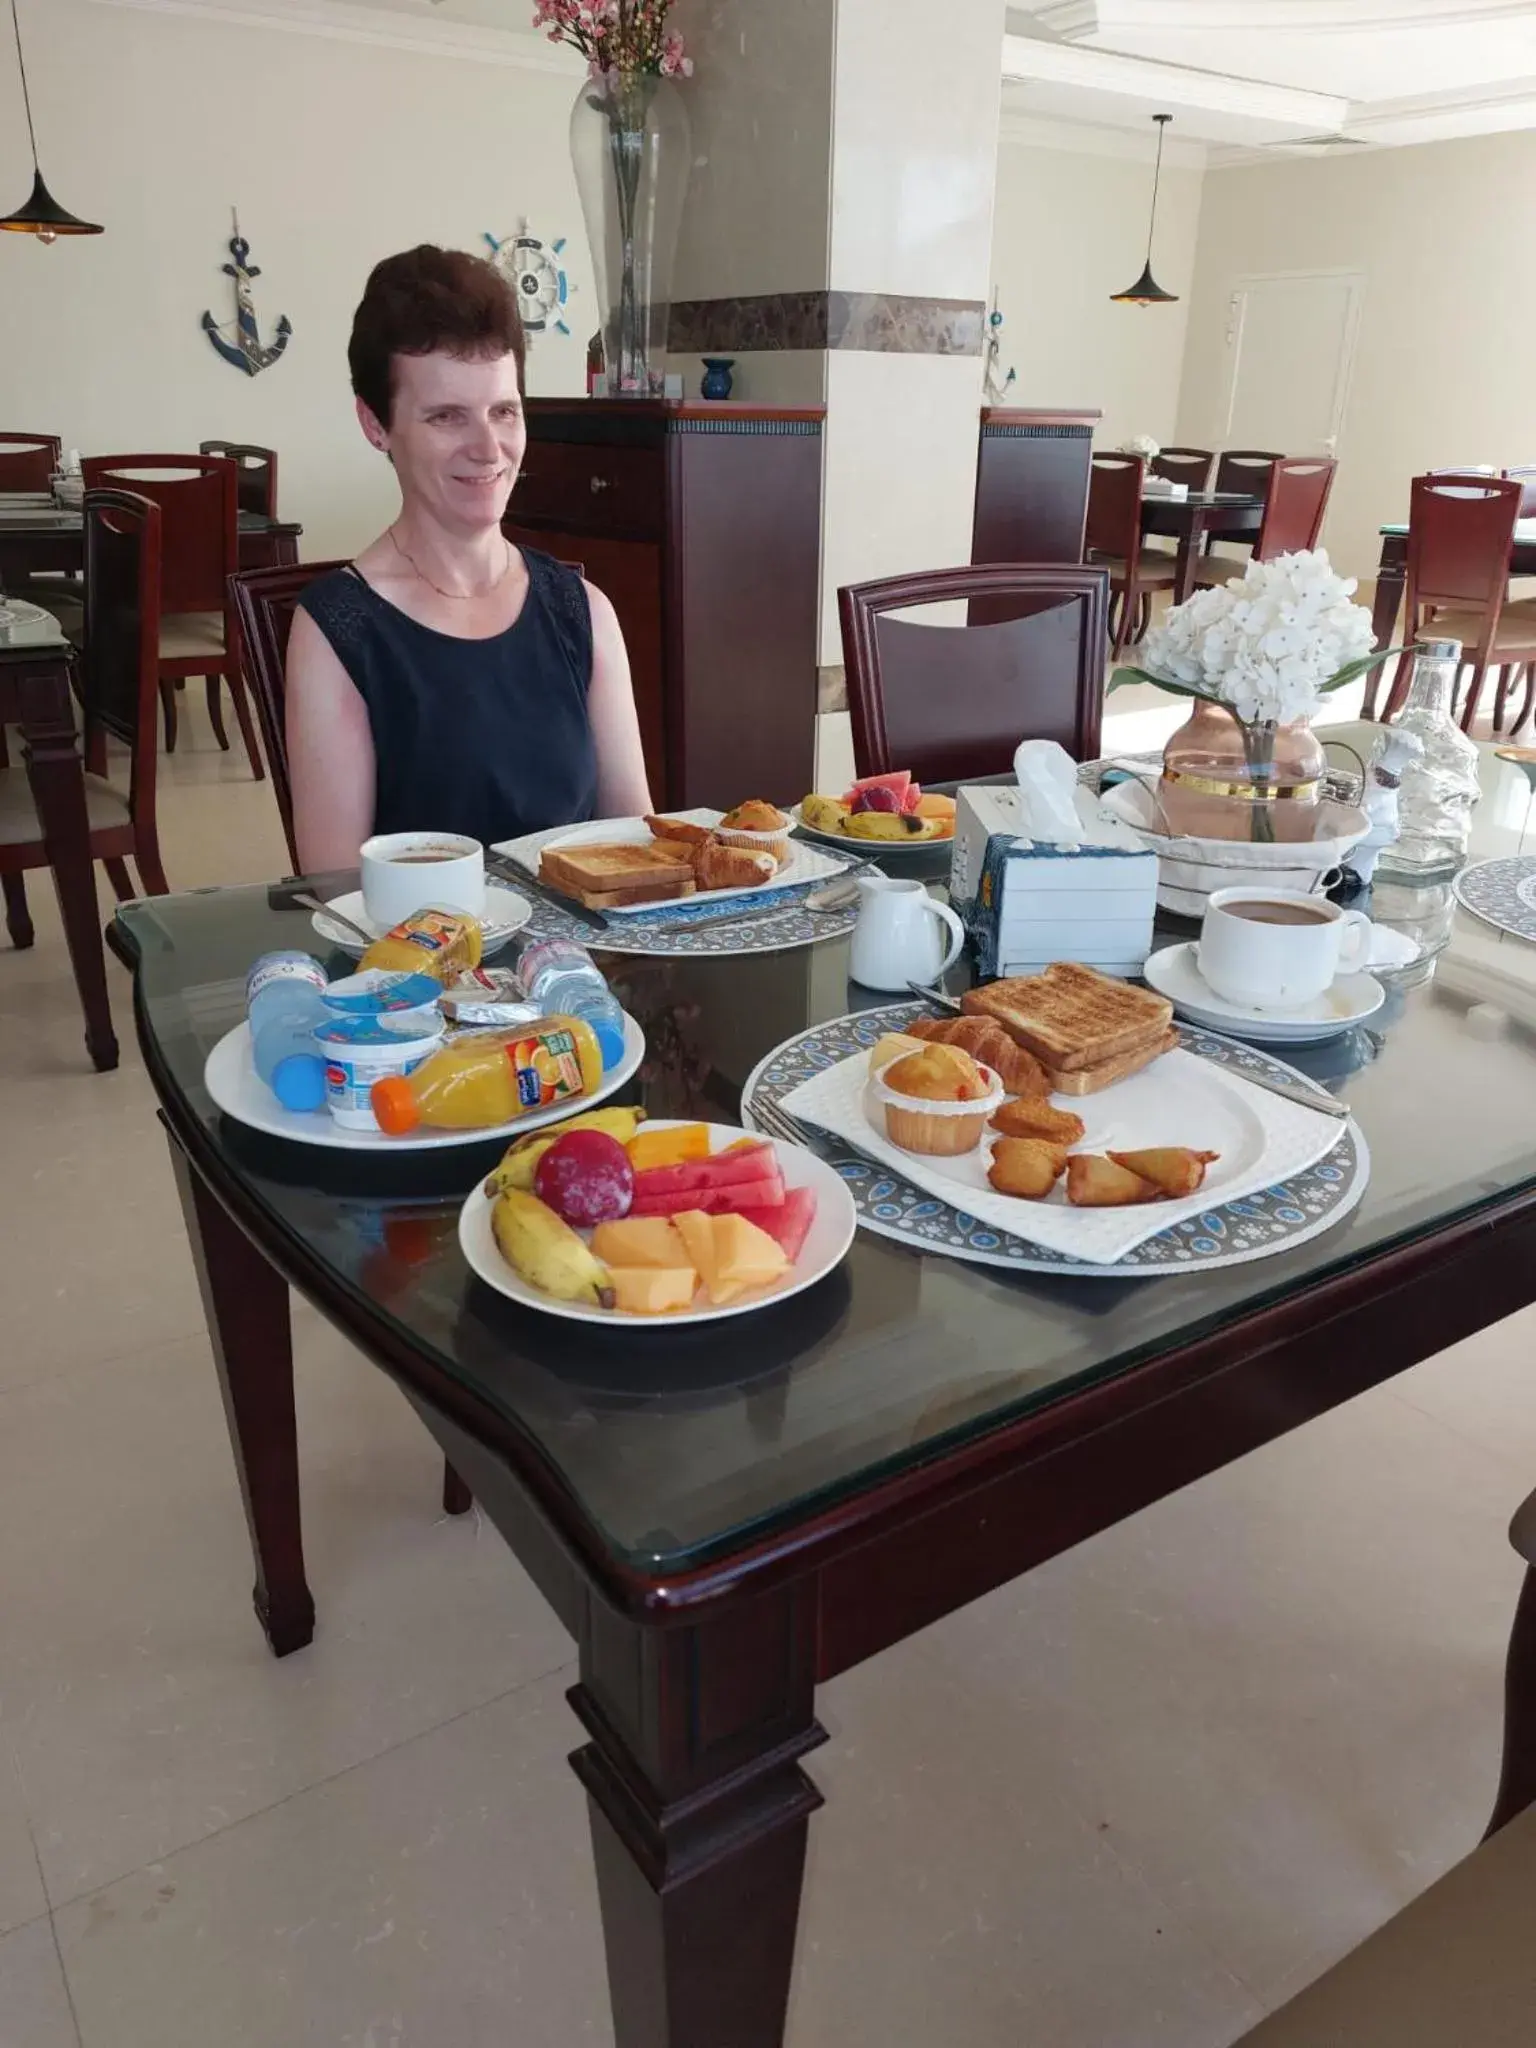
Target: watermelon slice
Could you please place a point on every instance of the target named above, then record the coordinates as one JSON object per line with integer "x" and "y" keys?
{"x": 789, "y": 1225}
{"x": 720, "y": 1170}
{"x": 913, "y": 797}
{"x": 760, "y": 1197}
{"x": 898, "y": 782}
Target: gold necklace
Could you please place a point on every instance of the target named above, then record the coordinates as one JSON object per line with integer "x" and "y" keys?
{"x": 457, "y": 596}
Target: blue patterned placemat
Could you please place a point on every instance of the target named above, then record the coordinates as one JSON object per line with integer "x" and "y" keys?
{"x": 1275, "y": 1219}
{"x": 1501, "y": 893}
{"x": 782, "y": 923}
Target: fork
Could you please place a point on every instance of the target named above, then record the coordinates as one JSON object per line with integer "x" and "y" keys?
{"x": 780, "y": 1124}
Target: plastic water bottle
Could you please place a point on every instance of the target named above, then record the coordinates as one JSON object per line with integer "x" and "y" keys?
{"x": 564, "y": 980}
{"x": 284, "y": 1000}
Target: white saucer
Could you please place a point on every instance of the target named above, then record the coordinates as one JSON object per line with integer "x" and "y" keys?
{"x": 1351, "y": 999}
{"x": 505, "y": 913}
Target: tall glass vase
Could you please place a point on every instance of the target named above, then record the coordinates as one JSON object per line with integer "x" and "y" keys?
{"x": 631, "y": 147}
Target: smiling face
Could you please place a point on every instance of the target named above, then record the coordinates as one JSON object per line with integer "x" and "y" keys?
{"x": 456, "y": 436}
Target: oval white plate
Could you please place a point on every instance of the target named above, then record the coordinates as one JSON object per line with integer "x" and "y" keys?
{"x": 1173, "y": 972}
{"x": 826, "y": 1247}
{"x": 870, "y": 849}
{"x": 804, "y": 864}
{"x": 505, "y": 913}
{"x": 231, "y": 1079}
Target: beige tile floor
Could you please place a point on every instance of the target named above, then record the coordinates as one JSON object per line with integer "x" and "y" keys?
{"x": 1129, "y": 1803}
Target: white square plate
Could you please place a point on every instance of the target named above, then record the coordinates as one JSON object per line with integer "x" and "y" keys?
{"x": 804, "y": 863}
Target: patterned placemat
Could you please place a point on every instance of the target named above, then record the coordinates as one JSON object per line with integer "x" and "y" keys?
{"x": 1274, "y": 1220}
{"x": 1502, "y": 893}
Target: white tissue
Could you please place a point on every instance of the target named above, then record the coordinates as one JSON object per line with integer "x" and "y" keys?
{"x": 72, "y": 462}
{"x": 1047, "y": 779}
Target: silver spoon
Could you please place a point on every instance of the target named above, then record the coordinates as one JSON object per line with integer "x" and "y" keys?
{"x": 330, "y": 911}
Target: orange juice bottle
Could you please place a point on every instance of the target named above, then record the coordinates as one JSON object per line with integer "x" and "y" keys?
{"x": 441, "y": 943}
{"x": 492, "y": 1077}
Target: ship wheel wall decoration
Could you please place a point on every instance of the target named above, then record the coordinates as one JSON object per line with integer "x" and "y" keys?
{"x": 245, "y": 351}
{"x": 536, "y": 273}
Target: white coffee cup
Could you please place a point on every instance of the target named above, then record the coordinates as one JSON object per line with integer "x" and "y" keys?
{"x": 404, "y": 872}
{"x": 902, "y": 935}
{"x": 1275, "y": 949}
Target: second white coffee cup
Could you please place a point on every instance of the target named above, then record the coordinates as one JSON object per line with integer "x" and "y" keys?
{"x": 404, "y": 872}
{"x": 1275, "y": 949}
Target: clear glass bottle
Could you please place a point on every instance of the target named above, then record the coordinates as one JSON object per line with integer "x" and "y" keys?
{"x": 1438, "y": 792}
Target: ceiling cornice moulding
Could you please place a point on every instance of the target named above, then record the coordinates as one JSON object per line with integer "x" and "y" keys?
{"x": 1085, "y": 138}
{"x": 1170, "y": 85}
{"x": 386, "y": 28}
{"x": 1078, "y": 18}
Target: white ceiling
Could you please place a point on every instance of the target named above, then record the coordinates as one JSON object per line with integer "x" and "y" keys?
{"x": 1256, "y": 74}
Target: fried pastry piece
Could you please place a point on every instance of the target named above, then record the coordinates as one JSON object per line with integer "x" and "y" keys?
{"x": 679, "y": 832}
{"x": 1094, "y": 1182}
{"x": 1174, "y": 1170}
{"x": 1033, "y": 1117}
{"x": 986, "y": 1040}
{"x": 1026, "y": 1167}
{"x": 717, "y": 866}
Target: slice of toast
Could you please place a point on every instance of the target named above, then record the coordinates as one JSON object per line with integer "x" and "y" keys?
{"x": 1072, "y": 1017}
{"x": 606, "y": 876}
{"x": 1089, "y": 1080}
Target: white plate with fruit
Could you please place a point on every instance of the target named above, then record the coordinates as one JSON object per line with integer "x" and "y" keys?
{"x": 886, "y": 813}
{"x": 684, "y": 1223}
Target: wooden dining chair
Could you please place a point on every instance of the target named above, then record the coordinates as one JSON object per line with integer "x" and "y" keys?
{"x": 1190, "y": 466}
{"x": 28, "y": 461}
{"x": 119, "y": 670}
{"x": 1459, "y": 538}
{"x": 256, "y": 484}
{"x": 264, "y": 602}
{"x": 199, "y": 535}
{"x": 1295, "y": 502}
{"x": 1113, "y": 542}
{"x": 1245, "y": 470}
{"x": 954, "y": 700}
{"x": 1524, "y": 474}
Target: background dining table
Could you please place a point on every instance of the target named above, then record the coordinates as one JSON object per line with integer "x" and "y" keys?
{"x": 1392, "y": 572}
{"x": 1194, "y": 519}
{"x": 725, "y": 1516}
{"x": 37, "y": 537}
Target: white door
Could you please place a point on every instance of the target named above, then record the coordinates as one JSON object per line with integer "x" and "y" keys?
{"x": 1290, "y": 348}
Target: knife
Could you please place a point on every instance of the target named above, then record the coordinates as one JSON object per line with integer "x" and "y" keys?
{"x": 507, "y": 869}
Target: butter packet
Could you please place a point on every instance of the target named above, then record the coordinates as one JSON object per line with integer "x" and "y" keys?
{"x": 485, "y": 998}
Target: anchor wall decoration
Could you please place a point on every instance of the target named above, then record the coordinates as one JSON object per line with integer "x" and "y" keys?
{"x": 245, "y": 352}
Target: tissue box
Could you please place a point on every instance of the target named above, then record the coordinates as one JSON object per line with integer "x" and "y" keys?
{"x": 1025, "y": 904}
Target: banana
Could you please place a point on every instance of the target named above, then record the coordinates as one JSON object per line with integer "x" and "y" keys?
{"x": 524, "y": 1154}
{"x": 889, "y": 825}
{"x": 824, "y": 814}
{"x": 548, "y": 1254}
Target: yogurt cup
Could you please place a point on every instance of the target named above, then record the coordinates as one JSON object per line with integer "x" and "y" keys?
{"x": 385, "y": 992}
{"x": 361, "y": 1050}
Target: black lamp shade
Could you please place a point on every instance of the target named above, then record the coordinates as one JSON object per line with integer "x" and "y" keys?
{"x": 44, "y": 217}
{"x": 1146, "y": 291}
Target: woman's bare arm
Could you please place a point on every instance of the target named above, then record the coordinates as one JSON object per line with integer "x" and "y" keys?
{"x": 330, "y": 753}
{"x": 623, "y": 790}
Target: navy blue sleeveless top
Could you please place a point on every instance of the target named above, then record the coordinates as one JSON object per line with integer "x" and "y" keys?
{"x": 489, "y": 738}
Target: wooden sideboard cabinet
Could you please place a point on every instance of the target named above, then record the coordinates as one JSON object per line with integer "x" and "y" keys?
{"x": 1032, "y": 485}
{"x": 702, "y": 524}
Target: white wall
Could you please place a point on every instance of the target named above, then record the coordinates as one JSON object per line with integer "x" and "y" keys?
{"x": 1442, "y": 370}
{"x": 1070, "y": 229}
{"x": 336, "y": 153}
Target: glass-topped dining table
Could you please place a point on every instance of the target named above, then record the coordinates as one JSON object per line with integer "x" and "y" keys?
{"x": 725, "y": 1516}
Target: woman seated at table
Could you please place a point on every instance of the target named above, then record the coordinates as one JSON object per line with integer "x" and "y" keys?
{"x": 445, "y": 680}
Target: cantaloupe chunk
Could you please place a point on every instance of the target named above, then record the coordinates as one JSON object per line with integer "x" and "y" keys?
{"x": 744, "y": 1255}
{"x": 640, "y": 1241}
{"x": 648, "y": 1148}
{"x": 697, "y": 1233}
{"x": 653, "y": 1290}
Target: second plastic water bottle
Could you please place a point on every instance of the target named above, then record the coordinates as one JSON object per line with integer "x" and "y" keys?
{"x": 564, "y": 980}
{"x": 284, "y": 1001}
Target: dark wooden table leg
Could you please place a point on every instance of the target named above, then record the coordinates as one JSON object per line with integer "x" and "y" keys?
{"x": 245, "y": 1301}
{"x": 1517, "y": 1777}
{"x": 457, "y": 1498}
{"x": 699, "y": 1813}
{"x": 57, "y": 777}
{"x": 1391, "y": 575}
{"x": 1184, "y": 561}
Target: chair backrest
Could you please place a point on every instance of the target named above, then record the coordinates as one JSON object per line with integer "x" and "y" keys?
{"x": 199, "y": 521}
{"x": 1294, "y": 505}
{"x": 264, "y": 601}
{"x": 120, "y": 655}
{"x": 256, "y": 485}
{"x": 1245, "y": 469}
{"x": 1459, "y": 537}
{"x": 1524, "y": 473}
{"x": 949, "y": 701}
{"x": 27, "y": 461}
{"x": 1190, "y": 466}
{"x": 1115, "y": 484}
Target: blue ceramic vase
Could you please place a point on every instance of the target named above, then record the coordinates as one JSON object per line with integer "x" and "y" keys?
{"x": 717, "y": 376}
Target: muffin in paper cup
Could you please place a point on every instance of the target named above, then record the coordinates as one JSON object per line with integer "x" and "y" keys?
{"x": 943, "y": 1130}
{"x": 774, "y": 839}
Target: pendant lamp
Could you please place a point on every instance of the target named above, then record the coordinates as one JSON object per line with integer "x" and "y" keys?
{"x": 42, "y": 215}
{"x": 1146, "y": 291}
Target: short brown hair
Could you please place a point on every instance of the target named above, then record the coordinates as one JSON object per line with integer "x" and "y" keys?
{"x": 426, "y": 299}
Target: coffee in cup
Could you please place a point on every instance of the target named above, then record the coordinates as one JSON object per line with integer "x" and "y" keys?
{"x": 404, "y": 872}
{"x": 1276, "y": 949}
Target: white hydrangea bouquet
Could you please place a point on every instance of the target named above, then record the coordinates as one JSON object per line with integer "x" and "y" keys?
{"x": 1268, "y": 646}
{"x": 1142, "y": 445}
